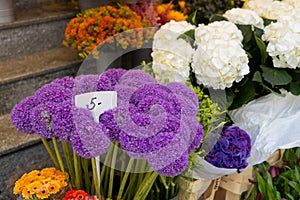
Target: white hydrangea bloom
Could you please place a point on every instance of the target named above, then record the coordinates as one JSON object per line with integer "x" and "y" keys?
{"x": 219, "y": 59}
{"x": 293, "y": 3}
{"x": 172, "y": 56}
{"x": 268, "y": 8}
{"x": 283, "y": 39}
{"x": 244, "y": 17}
{"x": 217, "y": 30}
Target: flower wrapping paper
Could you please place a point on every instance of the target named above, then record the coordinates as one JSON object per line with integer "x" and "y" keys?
{"x": 272, "y": 122}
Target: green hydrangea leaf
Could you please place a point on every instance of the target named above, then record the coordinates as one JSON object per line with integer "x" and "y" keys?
{"x": 246, "y": 93}
{"x": 295, "y": 88}
{"x": 217, "y": 17}
{"x": 262, "y": 48}
{"x": 188, "y": 36}
{"x": 276, "y": 76}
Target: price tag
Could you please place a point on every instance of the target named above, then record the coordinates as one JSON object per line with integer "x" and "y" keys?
{"x": 97, "y": 102}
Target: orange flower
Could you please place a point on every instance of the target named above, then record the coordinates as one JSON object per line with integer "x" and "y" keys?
{"x": 92, "y": 27}
{"x": 42, "y": 193}
{"x": 27, "y": 193}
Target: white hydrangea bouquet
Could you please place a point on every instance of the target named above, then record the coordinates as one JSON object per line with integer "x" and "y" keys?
{"x": 251, "y": 60}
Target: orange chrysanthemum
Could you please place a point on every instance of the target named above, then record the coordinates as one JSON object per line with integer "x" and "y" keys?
{"x": 91, "y": 28}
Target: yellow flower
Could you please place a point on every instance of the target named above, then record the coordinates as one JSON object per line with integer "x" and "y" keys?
{"x": 53, "y": 187}
{"x": 27, "y": 193}
{"x": 34, "y": 187}
{"x": 42, "y": 193}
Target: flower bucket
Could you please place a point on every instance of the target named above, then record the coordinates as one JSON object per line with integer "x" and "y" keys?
{"x": 7, "y": 13}
{"x": 232, "y": 186}
{"x": 276, "y": 157}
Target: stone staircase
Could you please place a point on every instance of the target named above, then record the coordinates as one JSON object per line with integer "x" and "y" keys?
{"x": 31, "y": 55}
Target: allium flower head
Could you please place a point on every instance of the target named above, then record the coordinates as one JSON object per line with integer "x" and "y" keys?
{"x": 171, "y": 54}
{"x": 231, "y": 150}
{"x": 85, "y": 83}
{"x": 244, "y": 17}
{"x": 283, "y": 40}
{"x": 67, "y": 82}
{"x": 62, "y": 121}
{"x": 20, "y": 115}
{"x": 41, "y": 119}
{"x": 109, "y": 78}
{"x": 52, "y": 92}
{"x": 89, "y": 139}
{"x": 152, "y": 120}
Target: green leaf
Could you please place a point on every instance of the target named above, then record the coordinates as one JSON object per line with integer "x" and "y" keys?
{"x": 268, "y": 21}
{"x": 262, "y": 48}
{"x": 188, "y": 36}
{"x": 294, "y": 88}
{"x": 246, "y": 93}
{"x": 246, "y": 31}
{"x": 261, "y": 184}
{"x": 295, "y": 186}
{"x": 290, "y": 196}
{"x": 192, "y": 18}
{"x": 257, "y": 77}
{"x": 217, "y": 17}
{"x": 297, "y": 174}
{"x": 276, "y": 76}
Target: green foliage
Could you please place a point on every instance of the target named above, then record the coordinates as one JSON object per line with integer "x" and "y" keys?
{"x": 285, "y": 185}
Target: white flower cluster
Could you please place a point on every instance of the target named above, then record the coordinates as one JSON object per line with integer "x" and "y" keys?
{"x": 268, "y": 8}
{"x": 244, "y": 17}
{"x": 172, "y": 56}
{"x": 283, "y": 39}
{"x": 219, "y": 59}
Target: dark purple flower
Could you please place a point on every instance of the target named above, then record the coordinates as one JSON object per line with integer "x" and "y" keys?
{"x": 62, "y": 121}
{"x": 109, "y": 79}
{"x": 112, "y": 129}
{"x": 52, "y": 93}
{"x": 20, "y": 115}
{"x": 85, "y": 83}
{"x": 231, "y": 150}
{"x": 89, "y": 139}
{"x": 41, "y": 119}
{"x": 66, "y": 82}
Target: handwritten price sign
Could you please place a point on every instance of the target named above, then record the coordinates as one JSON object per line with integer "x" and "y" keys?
{"x": 97, "y": 102}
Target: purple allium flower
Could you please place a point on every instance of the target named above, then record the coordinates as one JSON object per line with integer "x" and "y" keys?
{"x": 85, "y": 83}
{"x": 62, "y": 121}
{"x": 111, "y": 127}
{"x": 89, "y": 139}
{"x": 175, "y": 168}
{"x": 66, "y": 82}
{"x": 231, "y": 150}
{"x": 109, "y": 79}
{"x": 154, "y": 121}
{"x": 52, "y": 92}
{"x": 20, "y": 115}
{"x": 41, "y": 119}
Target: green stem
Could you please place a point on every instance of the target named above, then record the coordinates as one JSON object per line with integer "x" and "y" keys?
{"x": 87, "y": 182}
{"x": 112, "y": 172}
{"x": 77, "y": 169}
{"x": 95, "y": 177}
{"x": 69, "y": 162}
{"x": 59, "y": 159}
{"x": 104, "y": 172}
{"x": 124, "y": 180}
{"x": 50, "y": 152}
{"x": 145, "y": 186}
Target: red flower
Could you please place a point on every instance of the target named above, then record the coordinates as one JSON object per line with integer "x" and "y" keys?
{"x": 75, "y": 195}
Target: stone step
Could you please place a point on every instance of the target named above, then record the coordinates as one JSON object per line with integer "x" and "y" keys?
{"x": 36, "y": 29}
{"x": 19, "y": 153}
{"x": 21, "y": 76}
